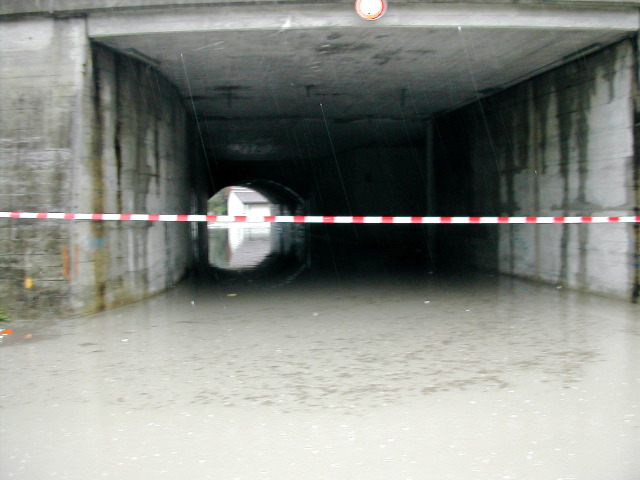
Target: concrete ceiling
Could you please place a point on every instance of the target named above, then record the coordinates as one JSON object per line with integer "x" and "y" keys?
{"x": 278, "y": 84}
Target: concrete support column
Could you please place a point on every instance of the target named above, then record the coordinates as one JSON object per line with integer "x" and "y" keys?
{"x": 42, "y": 79}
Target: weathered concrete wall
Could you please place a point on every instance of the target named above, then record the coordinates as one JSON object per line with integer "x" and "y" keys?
{"x": 85, "y": 131}
{"x": 138, "y": 162}
{"x": 41, "y": 109}
{"x": 560, "y": 144}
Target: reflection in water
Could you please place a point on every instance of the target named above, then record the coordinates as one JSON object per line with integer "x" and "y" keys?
{"x": 239, "y": 246}
{"x": 401, "y": 375}
{"x": 267, "y": 255}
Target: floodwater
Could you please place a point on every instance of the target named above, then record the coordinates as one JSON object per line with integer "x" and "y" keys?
{"x": 376, "y": 375}
{"x": 239, "y": 246}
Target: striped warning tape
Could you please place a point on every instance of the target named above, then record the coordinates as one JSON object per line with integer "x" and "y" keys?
{"x": 312, "y": 218}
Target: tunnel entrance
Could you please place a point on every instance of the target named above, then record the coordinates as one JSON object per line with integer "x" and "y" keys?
{"x": 257, "y": 252}
{"x": 500, "y": 116}
{"x": 504, "y": 114}
{"x": 238, "y": 246}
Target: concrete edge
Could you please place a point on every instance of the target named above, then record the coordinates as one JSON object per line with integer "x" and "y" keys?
{"x": 82, "y": 7}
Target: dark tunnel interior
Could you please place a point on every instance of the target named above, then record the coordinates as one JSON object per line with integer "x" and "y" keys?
{"x": 380, "y": 179}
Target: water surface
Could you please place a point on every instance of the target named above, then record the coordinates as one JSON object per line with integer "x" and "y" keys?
{"x": 413, "y": 376}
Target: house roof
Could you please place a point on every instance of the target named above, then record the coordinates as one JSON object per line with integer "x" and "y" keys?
{"x": 250, "y": 197}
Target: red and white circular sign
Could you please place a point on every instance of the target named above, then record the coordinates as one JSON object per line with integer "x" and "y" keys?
{"x": 371, "y": 9}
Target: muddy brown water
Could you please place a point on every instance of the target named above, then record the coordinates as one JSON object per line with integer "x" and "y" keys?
{"x": 370, "y": 376}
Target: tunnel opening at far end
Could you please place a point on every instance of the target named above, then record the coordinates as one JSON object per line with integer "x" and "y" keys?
{"x": 256, "y": 251}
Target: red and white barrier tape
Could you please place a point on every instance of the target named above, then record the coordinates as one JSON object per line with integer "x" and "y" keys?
{"x": 313, "y": 219}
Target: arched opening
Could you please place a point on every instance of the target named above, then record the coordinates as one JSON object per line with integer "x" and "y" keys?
{"x": 256, "y": 250}
{"x": 239, "y": 246}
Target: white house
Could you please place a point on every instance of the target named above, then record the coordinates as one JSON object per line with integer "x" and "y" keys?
{"x": 244, "y": 201}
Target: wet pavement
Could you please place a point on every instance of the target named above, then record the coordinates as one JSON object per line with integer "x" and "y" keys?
{"x": 376, "y": 375}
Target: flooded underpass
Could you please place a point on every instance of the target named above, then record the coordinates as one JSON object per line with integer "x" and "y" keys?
{"x": 231, "y": 238}
{"x": 398, "y": 370}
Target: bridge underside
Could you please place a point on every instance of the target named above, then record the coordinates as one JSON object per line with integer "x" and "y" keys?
{"x": 435, "y": 109}
{"x": 271, "y": 83}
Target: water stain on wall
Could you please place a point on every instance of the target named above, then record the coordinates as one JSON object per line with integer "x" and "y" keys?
{"x": 98, "y": 190}
{"x": 635, "y": 291}
{"x": 548, "y": 146}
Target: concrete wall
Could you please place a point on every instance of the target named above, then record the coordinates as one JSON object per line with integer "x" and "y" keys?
{"x": 41, "y": 109}
{"x": 85, "y": 131}
{"x": 68, "y": 6}
{"x": 138, "y": 164}
{"x": 560, "y": 144}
